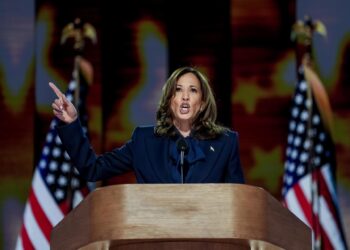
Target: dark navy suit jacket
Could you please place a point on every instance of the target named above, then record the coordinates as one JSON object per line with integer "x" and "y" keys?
{"x": 149, "y": 157}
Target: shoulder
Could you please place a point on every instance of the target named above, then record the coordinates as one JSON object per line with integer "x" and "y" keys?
{"x": 229, "y": 135}
{"x": 147, "y": 130}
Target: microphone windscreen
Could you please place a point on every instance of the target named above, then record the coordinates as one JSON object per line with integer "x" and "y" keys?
{"x": 181, "y": 145}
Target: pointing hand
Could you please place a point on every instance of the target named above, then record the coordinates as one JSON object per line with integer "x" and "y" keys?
{"x": 63, "y": 109}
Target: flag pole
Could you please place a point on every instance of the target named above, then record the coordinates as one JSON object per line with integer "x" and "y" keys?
{"x": 78, "y": 31}
{"x": 302, "y": 34}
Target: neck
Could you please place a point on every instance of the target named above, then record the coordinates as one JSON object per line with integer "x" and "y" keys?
{"x": 183, "y": 127}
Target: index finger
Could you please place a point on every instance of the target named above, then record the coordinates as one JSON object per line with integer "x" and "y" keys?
{"x": 56, "y": 90}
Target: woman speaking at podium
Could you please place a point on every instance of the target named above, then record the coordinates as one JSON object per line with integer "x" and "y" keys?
{"x": 186, "y": 145}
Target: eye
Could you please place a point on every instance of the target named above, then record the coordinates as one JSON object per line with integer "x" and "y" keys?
{"x": 178, "y": 89}
{"x": 194, "y": 90}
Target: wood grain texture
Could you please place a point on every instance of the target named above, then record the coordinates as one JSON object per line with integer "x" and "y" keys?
{"x": 173, "y": 216}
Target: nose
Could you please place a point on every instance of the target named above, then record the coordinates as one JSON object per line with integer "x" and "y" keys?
{"x": 185, "y": 96}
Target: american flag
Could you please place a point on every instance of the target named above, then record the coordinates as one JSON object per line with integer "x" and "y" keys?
{"x": 56, "y": 188}
{"x": 309, "y": 184}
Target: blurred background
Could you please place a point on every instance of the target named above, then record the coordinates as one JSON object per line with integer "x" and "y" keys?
{"x": 244, "y": 47}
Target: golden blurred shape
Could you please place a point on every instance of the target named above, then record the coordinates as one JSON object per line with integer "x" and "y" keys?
{"x": 79, "y": 31}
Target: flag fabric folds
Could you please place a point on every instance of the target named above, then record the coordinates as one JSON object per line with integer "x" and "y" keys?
{"x": 56, "y": 188}
{"x": 309, "y": 183}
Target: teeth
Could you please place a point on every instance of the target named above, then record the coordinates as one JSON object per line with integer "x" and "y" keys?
{"x": 184, "y": 110}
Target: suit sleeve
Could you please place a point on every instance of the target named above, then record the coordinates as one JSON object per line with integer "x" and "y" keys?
{"x": 94, "y": 167}
{"x": 234, "y": 172}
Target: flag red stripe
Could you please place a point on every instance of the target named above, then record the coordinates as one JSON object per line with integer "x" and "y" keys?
{"x": 324, "y": 191}
{"x": 65, "y": 206}
{"x": 317, "y": 226}
{"x": 316, "y": 223}
{"x": 85, "y": 191}
{"x": 304, "y": 204}
{"x": 26, "y": 242}
{"x": 40, "y": 216}
{"x": 306, "y": 207}
{"x": 325, "y": 242}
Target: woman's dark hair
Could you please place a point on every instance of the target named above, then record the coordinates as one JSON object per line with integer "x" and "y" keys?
{"x": 204, "y": 125}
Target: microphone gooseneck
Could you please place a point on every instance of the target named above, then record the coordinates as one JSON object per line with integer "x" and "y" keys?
{"x": 182, "y": 146}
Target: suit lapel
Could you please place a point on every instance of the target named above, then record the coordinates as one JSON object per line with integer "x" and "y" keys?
{"x": 158, "y": 154}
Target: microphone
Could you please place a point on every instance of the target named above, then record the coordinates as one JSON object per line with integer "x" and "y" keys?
{"x": 182, "y": 146}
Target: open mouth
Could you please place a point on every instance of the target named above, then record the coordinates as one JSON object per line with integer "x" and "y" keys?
{"x": 184, "y": 108}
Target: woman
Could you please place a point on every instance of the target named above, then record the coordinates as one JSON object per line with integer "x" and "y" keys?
{"x": 187, "y": 114}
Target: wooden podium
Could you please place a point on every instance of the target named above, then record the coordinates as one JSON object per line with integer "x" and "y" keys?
{"x": 180, "y": 216}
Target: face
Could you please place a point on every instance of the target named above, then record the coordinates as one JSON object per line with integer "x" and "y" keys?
{"x": 187, "y": 101}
